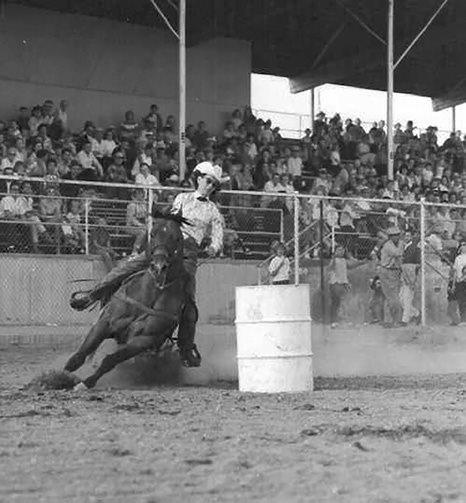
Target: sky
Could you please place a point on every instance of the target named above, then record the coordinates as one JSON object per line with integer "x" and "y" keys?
{"x": 292, "y": 111}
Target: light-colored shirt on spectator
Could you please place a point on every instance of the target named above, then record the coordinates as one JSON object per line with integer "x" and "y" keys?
{"x": 279, "y": 269}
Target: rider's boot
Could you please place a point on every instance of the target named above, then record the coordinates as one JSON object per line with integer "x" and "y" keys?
{"x": 82, "y": 300}
{"x": 190, "y": 357}
{"x": 189, "y": 354}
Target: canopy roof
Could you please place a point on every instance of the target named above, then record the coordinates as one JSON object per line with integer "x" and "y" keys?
{"x": 313, "y": 42}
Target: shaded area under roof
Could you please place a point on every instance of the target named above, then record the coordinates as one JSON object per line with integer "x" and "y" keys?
{"x": 313, "y": 42}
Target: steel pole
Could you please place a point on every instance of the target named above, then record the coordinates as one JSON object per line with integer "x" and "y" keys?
{"x": 423, "y": 261}
{"x": 390, "y": 70}
{"x": 182, "y": 90}
{"x": 453, "y": 119}
{"x": 312, "y": 99}
{"x": 296, "y": 239}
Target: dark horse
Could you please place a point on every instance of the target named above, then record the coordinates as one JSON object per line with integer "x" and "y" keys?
{"x": 146, "y": 308}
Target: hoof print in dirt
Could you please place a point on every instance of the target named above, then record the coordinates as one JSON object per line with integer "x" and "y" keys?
{"x": 119, "y": 452}
{"x": 194, "y": 462}
{"x": 360, "y": 446}
{"x": 305, "y": 406}
{"x": 309, "y": 432}
{"x": 54, "y": 380}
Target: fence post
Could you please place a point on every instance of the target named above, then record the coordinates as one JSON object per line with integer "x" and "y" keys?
{"x": 282, "y": 227}
{"x": 86, "y": 225}
{"x": 296, "y": 239}
{"x": 423, "y": 261}
{"x": 150, "y": 203}
{"x": 333, "y": 237}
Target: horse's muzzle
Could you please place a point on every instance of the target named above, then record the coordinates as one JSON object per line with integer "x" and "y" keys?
{"x": 159, "y": 265}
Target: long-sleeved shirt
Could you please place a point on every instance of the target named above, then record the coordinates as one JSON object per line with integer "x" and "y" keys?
{"x": 204, "y": 216}
{"x": 391, "y": 254}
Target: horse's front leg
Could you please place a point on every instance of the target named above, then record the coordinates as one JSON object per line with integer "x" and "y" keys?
{"x": 98, "y": 333}
{"x": 133, "y": 348}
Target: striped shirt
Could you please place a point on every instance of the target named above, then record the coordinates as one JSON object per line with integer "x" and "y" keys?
{"x": 204, "y": 216}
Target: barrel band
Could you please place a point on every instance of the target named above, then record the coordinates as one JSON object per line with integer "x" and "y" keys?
{"x": 273, "y": 357}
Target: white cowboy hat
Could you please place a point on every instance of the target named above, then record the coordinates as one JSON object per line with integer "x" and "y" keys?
{"x": 207, "y": 168}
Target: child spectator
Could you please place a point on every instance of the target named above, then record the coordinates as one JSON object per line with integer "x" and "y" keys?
{"x": 279, "y": 267}
{"x": 377, "y": 302}
{"x": 72, "y": 230}
{"x": 338, "y": 281}
{"x": 100, "y": 243}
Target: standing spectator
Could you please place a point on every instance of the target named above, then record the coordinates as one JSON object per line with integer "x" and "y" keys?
{"x": 136, "y": 216}
{"x": 411, "y": 261}
{"x": 377, "y": 302}
{"x": 200, "y": 136}
{"x": 459, "y": 281}
{"x": 129, "y": 128}
{"x": 35, "y": 120}
{"x": 295, "y": 164}
{"x": 390, "y": 274}
{"x": 116, "y": 173}
{"x": 50, "y": 209}
{"x": 279, "y": 267}
{"x": 338, "y": 281}
{"x": 72, "y": 230}
{"x": 100, "y": 243}
{"x": 154, "y": 117}
{"x": 23, "y": 120}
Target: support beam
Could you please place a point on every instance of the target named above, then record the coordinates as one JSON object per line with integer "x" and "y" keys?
{"x": 453, "y": 119}
{"x": 419, "y": 35}
{"x": 327, "y": 45}
{"x": 361, "y": 22}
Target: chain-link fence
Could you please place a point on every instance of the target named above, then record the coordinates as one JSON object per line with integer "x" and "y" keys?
{"x": 104, "y": 223}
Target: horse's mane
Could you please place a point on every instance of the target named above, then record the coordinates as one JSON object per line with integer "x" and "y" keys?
{"x": 174, "y": 217}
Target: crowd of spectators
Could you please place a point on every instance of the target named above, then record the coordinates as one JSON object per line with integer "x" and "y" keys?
{"x": 338, "y": 159}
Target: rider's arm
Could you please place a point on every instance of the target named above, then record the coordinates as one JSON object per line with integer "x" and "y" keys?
{"x": 217, "y": 232}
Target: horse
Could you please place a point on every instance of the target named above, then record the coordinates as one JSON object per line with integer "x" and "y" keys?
{"x": 144, "y": 311}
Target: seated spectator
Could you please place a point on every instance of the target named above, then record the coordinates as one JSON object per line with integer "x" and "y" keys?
{"x": 116, "y": 173}
{"x": 20, "y": 207}
{"x": 136, "y": 219}
{"x": 145, "y": 156}
{"x": 72, "y": 230}
{"x": 146, "y": 178}
{"x": 10, "y": 159}
{"x": 88, "y": 161}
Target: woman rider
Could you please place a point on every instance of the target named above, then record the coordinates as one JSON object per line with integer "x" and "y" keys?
{"x": 206, "y": 221}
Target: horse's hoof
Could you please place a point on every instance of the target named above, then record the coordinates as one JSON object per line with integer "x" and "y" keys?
{"x": 80, "y": 387}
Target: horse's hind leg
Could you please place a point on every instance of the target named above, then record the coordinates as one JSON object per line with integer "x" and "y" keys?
{"x": 137, "y": 345}
{"x": 98, "y": 333}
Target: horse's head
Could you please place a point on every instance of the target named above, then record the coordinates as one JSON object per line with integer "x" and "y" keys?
{"x": 166, "y": 243}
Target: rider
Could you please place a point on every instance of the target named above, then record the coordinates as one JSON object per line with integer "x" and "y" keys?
{"x": 206, "y": 221}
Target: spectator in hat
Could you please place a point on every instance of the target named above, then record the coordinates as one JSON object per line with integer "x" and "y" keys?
{"x": 390, "y": 274}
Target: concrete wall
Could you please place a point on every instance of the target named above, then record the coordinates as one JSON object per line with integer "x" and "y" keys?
{"x": 35, "y": 290}
{"x": 105, "y": 68}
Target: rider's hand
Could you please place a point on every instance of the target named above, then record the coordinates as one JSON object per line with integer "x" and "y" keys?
{"x": 211, "y": 251}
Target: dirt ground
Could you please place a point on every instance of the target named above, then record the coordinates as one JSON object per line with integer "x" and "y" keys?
{"x": 378, "y": 439}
